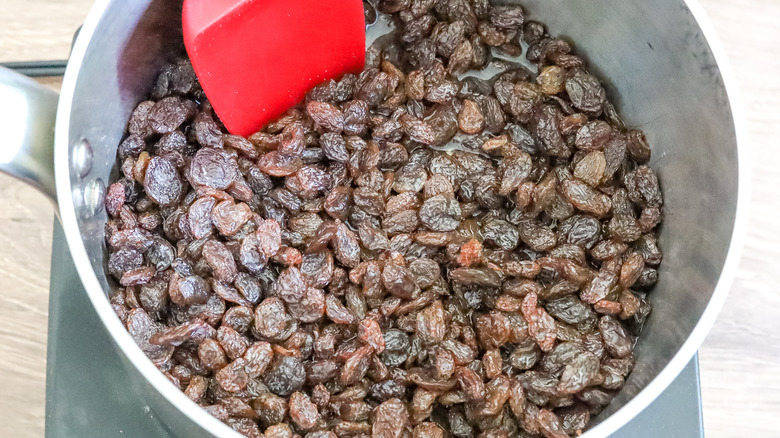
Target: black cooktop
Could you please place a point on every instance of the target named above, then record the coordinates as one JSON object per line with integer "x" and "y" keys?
{"x": 88, "y": 393}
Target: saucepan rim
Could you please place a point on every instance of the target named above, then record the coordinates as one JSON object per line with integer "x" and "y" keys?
{"x": 169, "y": 391}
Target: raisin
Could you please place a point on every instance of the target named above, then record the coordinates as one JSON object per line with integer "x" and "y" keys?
{"x": 234, "y": 344}
{"x": 137, "y": 276}
{"x": 139, "y": 120}
{"x": 258, "y": 181}
{"x": 199, "y": 217}
{"x": 418, "y": 130}
{"x": 552, "y": 80}
{"x": 624, "y": 228}
{"x": 470, "y": 120}
{"x": 391, "y": 419}
{"x": 188, "y": 290}
{"x": 285, "y": 375}
{"x": 334, "y": 147}
{"x": 426, "y": 272}
{"x": 513, "y": 172}
{"x": 356, "y": 114}
{"x": 317, "y": 268}
{"x": 440, "y": 213}
{"x": 476, "y": 277}
{"x": 123, "y": 261}
{"x": 311, "y": 306}
{"x": 275, "y": 163}
{"x": 272, "y": 320}
{"x": 221, "y": 260}
{"x": 370, "y": 333}
{"x": 616, "y": 339}
{"x": 282, "y": 430}
{"x": 411, "y": 178}
{"x": 168, "y": 114}
{"x": 399, "y": 282}
{"x": 228, "y": 217}
{"x": 592, "y": 168}
{"x": 240, "y": 144}
{"x": 585, "y": 92}
{"x": 541, "y": 325}
{"x": 233, "y": 378}
{"x": 326, "y": 115}
{"x": 431, "y": 323}
{"x": 638, "y": 148}
{"x": 292, "y": 140}
{"x": 356, "y": 366}
{"x": 396, "y": 347}
{"x": 547, "y": 134}
{"x": 213, "y": 168}
{"x": 491, "y": 35}
{"x": 593, "y": 136}
{"x": 345, "y": 246}
{"x": 238, "y": 318}
{"x": 463, "y": 57}
{"x": 493, "y": 329}
{"x": 550, "y": 425}
{"x": 211, "y": 355}
{"x": 501, "y": 234}
{"x": 580, "y": 230}
{"x": 507, "y": 17}
{"x": 303, "y": 412}
{"x": 585, "y": 198}
{"x": 289, "y": 285}
{"x": 162, "y": 182}
{"x": 270, "y": 408}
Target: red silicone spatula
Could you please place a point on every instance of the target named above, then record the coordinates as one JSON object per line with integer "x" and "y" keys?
{"x": 257, "y": 58}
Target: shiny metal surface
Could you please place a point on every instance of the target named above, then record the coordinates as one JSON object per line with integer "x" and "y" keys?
{"x": 81, "y": 158}
{"x": 665, "y": 73}
{"x": 27, "y": 114}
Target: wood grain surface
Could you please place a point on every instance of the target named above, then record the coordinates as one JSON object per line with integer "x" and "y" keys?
{"x": 739, "y": 360}
{"x": 29, "y": 30}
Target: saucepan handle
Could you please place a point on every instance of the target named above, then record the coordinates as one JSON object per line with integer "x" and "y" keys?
{"x": 27, "y": 114}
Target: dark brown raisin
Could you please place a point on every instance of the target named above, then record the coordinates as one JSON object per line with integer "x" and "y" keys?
{"x": 585, "y": 92}
{"x": 326, "y": 115}
{"x": 399, "y": 282}
{"x": 507, "y": 17}
{"x": 188, "y": 290}
{"x": 285, "y": 375}
{"x": 275, "y": 163}
{"x": 169, "y": 113}
{"x": 162, "y": 181}
{"x": 213, "y": 168}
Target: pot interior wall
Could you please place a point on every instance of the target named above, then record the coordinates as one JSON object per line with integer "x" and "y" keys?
{"x": 133, "y": 40}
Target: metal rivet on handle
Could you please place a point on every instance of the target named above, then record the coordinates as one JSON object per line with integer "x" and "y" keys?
{"x": 94, "y": 196}
{"x": 81, "y": 158}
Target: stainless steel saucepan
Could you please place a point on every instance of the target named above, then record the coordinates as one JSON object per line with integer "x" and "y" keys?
{"x": 661, "y": 65}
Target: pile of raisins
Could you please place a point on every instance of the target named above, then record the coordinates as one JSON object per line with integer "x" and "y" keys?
{"x": 448, "y": 244}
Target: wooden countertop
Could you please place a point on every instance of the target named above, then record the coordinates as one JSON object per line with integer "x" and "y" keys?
{"x": 739, "y": 360}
